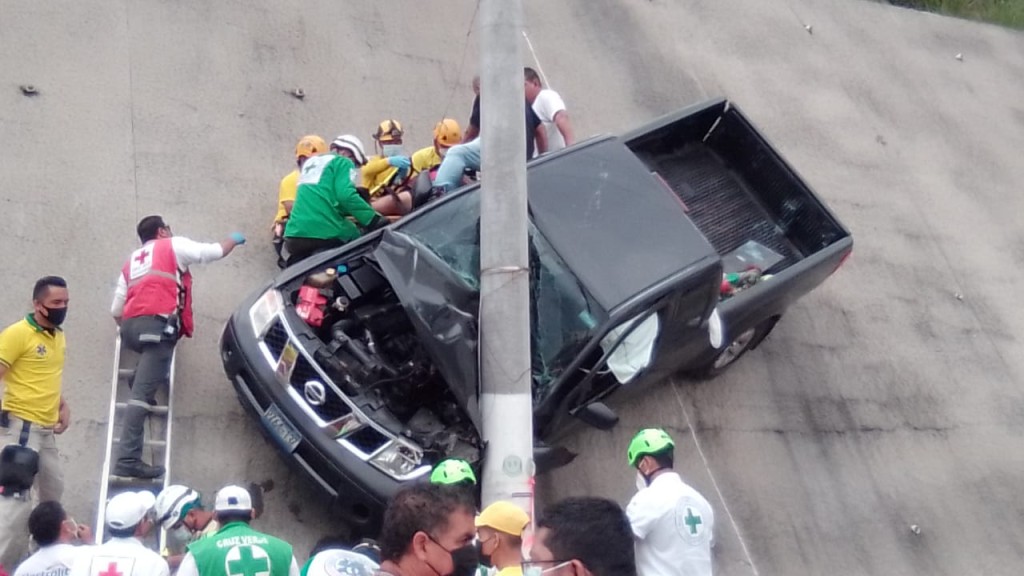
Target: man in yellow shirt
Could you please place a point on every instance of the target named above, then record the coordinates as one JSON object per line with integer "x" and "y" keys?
{"x": 446, "y": 134}
{"x": 32, "y": 411}
{"x": 308, "y": 146}
{"x": 499, "y": 530}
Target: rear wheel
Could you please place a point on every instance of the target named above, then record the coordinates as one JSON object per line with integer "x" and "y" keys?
{"x": 732, "y": 352}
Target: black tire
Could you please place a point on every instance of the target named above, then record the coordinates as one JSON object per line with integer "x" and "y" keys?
{"x": 728, "y": 355}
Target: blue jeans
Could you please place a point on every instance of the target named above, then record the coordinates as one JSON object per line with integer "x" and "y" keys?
{"x": 458, "y": 158}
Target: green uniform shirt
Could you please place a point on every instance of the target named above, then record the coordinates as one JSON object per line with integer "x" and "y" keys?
{"x": 326, "y": 196}
{"x": 238, "y": 550}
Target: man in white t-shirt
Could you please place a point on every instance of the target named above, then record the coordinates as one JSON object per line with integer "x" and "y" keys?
{"x": 550, "y": 108}
{"x": 56, "y": 534}
{"x": 672, "y": 523}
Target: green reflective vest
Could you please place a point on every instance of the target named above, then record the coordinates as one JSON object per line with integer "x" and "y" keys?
{"x": 238, "y": 550}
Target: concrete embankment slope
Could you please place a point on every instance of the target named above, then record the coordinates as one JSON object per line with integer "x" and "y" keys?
{"x": 881, "y": 401}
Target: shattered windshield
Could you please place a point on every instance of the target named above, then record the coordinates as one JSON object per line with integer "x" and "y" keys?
{"x": 563, "y": 315}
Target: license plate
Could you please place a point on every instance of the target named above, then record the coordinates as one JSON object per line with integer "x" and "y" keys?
{"x": 281, "y": 429}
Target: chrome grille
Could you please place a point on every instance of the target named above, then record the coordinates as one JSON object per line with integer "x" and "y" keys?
{"x": 276, "y": 338}
{"x": 333, "y": 407}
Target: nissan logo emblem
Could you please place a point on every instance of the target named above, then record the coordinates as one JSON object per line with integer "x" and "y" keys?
{"x": 315, "y": 393}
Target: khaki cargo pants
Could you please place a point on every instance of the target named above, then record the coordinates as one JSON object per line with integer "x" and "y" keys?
{"x": 49, "y": 485}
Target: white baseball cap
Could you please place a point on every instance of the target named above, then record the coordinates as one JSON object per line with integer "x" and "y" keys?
{"x": 127, "y": 509}
{"x": 231, "y": 498}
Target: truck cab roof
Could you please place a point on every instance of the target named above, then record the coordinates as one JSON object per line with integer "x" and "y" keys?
{"x": 618, "y": 228}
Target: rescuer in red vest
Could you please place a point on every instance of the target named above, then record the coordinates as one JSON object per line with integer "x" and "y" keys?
{"x": 153, "y": 305}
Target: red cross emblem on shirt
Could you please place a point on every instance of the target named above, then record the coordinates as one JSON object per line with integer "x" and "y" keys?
{"x": 111, "y": 570}
{"x": 141, "y": 259}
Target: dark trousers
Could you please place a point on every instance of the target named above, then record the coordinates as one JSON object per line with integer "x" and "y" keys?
{"x": 301, "y": 248}
{"x": 148, "y": 336}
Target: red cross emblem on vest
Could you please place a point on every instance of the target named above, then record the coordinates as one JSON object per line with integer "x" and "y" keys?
{"x": 141, "y": 258}
{"x": 111, "y": 570}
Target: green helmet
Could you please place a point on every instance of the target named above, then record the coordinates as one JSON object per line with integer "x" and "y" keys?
{"x": 453, "y": 471}
{"x": 648, "y": 441}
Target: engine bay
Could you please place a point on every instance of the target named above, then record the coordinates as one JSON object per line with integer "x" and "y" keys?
{"x": 372, "y": 352}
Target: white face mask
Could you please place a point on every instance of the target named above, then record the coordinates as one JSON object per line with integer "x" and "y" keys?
{"x": 389, "y": 150}
{"x": 537, "y": 571}
{"x": 641, "y": 482}
{"x": 356, "y": 175}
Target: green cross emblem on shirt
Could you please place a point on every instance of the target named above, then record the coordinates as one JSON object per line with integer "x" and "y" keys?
{"x": 692, "y": 521}
{"x": 246, "y": 564}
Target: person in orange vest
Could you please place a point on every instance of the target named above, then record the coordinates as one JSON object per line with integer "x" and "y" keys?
{"x": 153, "y": 305}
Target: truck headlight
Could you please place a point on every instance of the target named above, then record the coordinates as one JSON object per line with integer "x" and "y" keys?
{"x": 398, "y": 460}
{"x": 264, "y": 310}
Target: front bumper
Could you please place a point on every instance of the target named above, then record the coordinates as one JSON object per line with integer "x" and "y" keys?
{"x": 359, "y": 490}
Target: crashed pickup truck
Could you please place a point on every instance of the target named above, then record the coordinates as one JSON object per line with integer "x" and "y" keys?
{"x": 673, "y": 248}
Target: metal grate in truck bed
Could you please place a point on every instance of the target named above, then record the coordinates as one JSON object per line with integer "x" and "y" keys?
{"x": 719, "y": 204}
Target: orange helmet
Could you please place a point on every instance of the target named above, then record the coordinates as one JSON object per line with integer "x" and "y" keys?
{"x": 388, "y": 131}
{"x": 447, "y": 133}
{"x": 310, "y": 145}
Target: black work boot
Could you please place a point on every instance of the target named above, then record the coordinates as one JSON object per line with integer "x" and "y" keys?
{"x": 137, "y": 469}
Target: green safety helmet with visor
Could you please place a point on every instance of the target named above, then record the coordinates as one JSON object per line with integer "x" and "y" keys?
{"x": 453, "y": 471}
{"x": 647, "y": 442}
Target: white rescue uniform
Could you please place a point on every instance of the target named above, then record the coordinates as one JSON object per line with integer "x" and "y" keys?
{"x": 674, "y": 528}
{"x": 119, "y": 557}
{"x": 52, "y": 560}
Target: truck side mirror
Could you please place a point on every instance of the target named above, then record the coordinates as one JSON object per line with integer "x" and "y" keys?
{"x": 598, "y": 415}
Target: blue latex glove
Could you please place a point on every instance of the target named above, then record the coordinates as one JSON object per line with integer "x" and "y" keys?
{"x": 237, "y": 238}
{"x": 400, "y": 162}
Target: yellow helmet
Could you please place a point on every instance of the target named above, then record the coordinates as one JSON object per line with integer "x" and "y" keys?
{"x": 447, "y": 133}
{"x": 310, "y": 145}
{"x": 388, "y": 131}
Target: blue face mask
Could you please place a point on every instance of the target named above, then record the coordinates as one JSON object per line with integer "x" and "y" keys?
{"x": 389, "y": 150}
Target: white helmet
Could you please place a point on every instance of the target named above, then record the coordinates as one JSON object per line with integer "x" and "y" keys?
{"x": 173, "y": 503}
{"x": 353, "y": 144}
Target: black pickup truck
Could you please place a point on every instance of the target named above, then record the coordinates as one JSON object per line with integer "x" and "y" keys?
{"x": 676, "y": 247}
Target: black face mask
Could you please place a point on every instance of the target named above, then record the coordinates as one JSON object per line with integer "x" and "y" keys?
{"x": 56, "y": 316}
{"x": 485, "y": 559}
{"x": 465, "y": 560}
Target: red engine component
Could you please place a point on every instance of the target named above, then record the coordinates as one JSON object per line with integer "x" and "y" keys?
{"x": 311, "y": 305}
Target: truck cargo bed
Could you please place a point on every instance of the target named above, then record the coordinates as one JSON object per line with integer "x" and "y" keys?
{"x": 719, "y": 203}
{"x": 736, "y": 188}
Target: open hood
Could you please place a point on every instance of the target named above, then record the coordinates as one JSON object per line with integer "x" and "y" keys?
{"x": 442, "y": 307}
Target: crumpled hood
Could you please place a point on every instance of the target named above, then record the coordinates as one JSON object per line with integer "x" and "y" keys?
{"x": 443, "y": 309}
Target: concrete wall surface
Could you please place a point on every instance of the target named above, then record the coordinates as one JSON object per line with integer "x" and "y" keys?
{"x": 890, "y": 397}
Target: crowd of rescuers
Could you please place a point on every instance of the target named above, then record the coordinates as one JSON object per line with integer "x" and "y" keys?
{"x": 337, "y": 192}
{"x": 428, "y": 529}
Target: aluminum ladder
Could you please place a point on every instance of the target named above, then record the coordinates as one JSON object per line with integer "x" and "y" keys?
{"x": 156, "y": 449}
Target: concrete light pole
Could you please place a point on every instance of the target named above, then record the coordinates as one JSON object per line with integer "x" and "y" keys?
{"x": 506, "y": 400}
